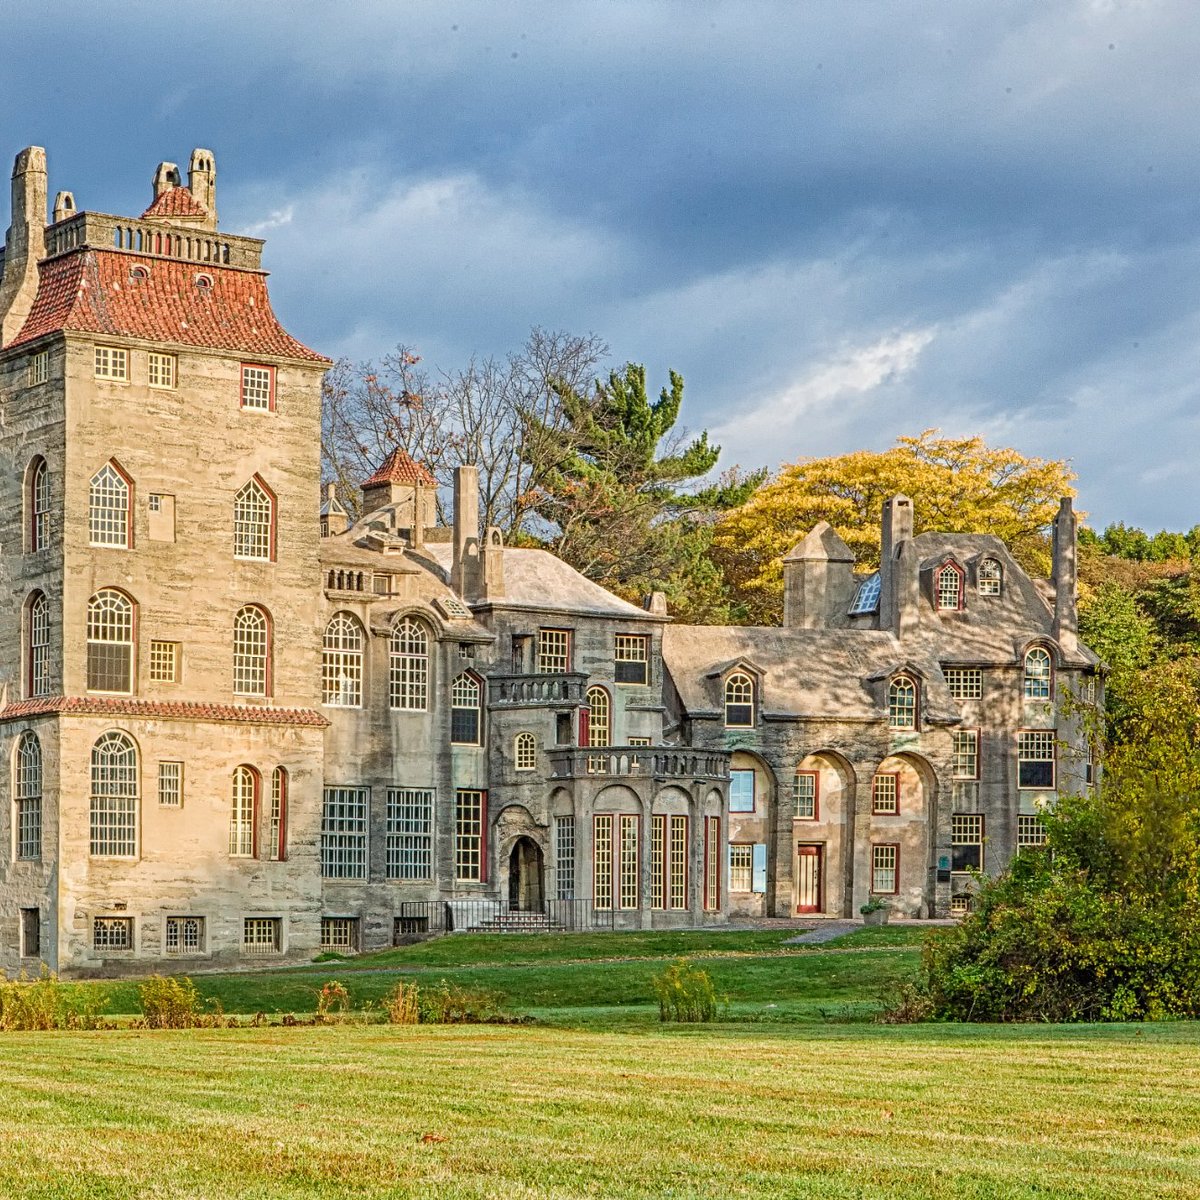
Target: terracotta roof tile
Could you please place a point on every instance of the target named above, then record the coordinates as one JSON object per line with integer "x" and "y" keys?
{"x": 90, "y": 291}
{"x": 176, "y": 202}
{"x": 182, "y": 710}
{"x": 398, "y": 467}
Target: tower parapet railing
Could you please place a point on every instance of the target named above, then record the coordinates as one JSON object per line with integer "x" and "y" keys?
{"x": 101, "y": 231}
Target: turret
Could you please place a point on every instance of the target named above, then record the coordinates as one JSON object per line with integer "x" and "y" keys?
{"x": 25, "y": 242}
{"x": 202, "y": 183}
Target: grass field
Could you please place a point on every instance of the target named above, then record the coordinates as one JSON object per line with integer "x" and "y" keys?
{"x": 601, "y": 1100}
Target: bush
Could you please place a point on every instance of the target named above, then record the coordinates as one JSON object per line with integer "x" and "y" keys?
{"x": 401, "y": 1004}
{"x": 46, "y": 1003}
{"x": 333, "y": 1002}
{"x": 685, "y": 993}
{"x": 170, "y": 1003}
{"x": 449, "y": 1004}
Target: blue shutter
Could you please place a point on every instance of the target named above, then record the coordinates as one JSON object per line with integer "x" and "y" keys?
{"x": 759, "y": 882}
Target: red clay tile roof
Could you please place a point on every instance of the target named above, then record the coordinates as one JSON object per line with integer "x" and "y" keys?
{"x": 182, "y": 710}
{"x": 177, "y": 202}
{"x": 398, "y": 467}
{"x": 90, "y": 291}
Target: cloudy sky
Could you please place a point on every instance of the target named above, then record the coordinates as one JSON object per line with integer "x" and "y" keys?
{"x": 841, "y": 220}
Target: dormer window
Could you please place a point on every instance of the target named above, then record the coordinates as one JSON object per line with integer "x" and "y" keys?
{"x": 204, "y": 282}
{"x": 948, "y": 586}
{"x": 138, "y": 273}
{"x": 902, "y": 703}
{"x": 990, "y": 577}
{"x": 866, "y": 599}
{"x": 739, "y": 701}
{"x": 1038, "y": 674}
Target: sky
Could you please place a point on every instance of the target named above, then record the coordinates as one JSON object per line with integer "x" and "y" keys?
{"x": 842, "y": 221}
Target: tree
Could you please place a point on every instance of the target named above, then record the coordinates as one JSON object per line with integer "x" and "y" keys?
{"x": 957, "y": 484}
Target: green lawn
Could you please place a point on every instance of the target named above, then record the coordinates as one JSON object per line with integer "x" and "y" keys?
{"x": 863, "y": 1112}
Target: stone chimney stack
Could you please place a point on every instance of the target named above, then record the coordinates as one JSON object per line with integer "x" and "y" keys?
{"x": 64, "y": 206}
{"x": 899, "y": 569}
{"x": 818, "y": 580}
{"x": 25, "y": 242}
{"x": 464, "y": 571}
{"x": 493, "y": 564}
{"x": 1064, "y": 577}
{"x": 166, "y": 179}
{"x": 202, "y": 183}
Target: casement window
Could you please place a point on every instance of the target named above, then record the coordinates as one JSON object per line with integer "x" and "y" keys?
{"x": 598, "y": 729}
{"x": 1031, "y": 831}
{"x": 112, "y": 934}
{"x": 616, "y": 862}
{"x": 339, "y": 933}
{"x": 885, "y": 868}
{"x": 465, "y": 710}
{"x": 251, "y": 652}
{"x": 277, "y": 825}
{"x": 966, "y": 841}
{"x": 866, "y": 597}
{"x": 243, "y": 813}
{"x": 902, "y": 703}
{"x": 110, "y": 647}
{"x": 602, "y": 861}
{"x": 554, "y": 651}
{"x": 564, "y": 858}
{"x": 965, "y": 759}
{"x": 1035, "y": 758}
{"x": 409, "y": 832}
{"x": 739, "y": 701}
{"x": 254, "y": 522}
{"x": 170, "y": 784}
{"x": 524, "y": 752}
{"x": 164, "y": 662}
{"x": 1038, "y": 674}
{"x": 639, "y": 741}
{"x": 741, "y": 791}
{"x": 712, "y": 864}
{"x": 741, "y": 867}
{"x": 885, "y": 793}
{"x": 964, "y": 683}
{"x": 31, "y": 933}
{"x": 989, "y": 577}
{"x": 408, "y": 666}
{"x": 110, "y": 508}
{"x": 39, "y": 368}
{"x": 262, "y": 935}
{"x": 113, "y": 804}
{"x": 111, "y": 362}
{"x": 27, "y": 796}
{"x": 669, "y": 861}
{"x": 258, "y": 387}
{"x": 344, "y": 833}
{"x": 630, "y": 862}
{"x": 38, "y": 653}
{"x": 470, "y": 845}
{"x": 804, "y": 794}
{"x": 38, "y": 501}
{"x": 184, "y": 935}
{"x": 342, "y": 662}
{"x": 948, "y": 587}
{"x": 161, "y": 370}
{"x": 632, "y": 658}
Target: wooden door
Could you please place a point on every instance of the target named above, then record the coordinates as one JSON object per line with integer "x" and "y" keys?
{"x": 809, "y": 863}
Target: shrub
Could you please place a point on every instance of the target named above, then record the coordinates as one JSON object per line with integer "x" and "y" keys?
{"x": 450, "y": 1004}
{"x": 685, "y": 993}
{"x": 333, "y": 1002}
{"x": 46, "y": 1003}
{"x": 169, "y": 1002}
{"x": 402, "y": 1005}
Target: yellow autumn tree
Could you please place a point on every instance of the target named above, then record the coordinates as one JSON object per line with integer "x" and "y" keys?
{"x": 956, "y": 484}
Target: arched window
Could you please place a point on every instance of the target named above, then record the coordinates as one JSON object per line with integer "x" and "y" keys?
{"x": 1038, "y": 674}
{"x": 739, "y": 701}
{"x": 27, "y": 795}
{"x": 902, "y": 703}
{"x": 408, "y": 668}
{"x": 38, "y": 650}
{"x": 464, "y": 710}
{"x": 277, "y": 846}
{"x": 254, "y": 522}
{"x": 109, "y": 507}
{"x": 525, "y": 751}
{"x": 948, "y": 586}
{"x": 38, "y": 502}
{"x": 989, "y": 578}
{"x": 114, "y": 796}
{"x": 243, "y": 814}
{"x": 342, "y": 662}
{"x": 251, "y": 652}
{"x": 110, "y": 642}
{"x": 599, "y": 717}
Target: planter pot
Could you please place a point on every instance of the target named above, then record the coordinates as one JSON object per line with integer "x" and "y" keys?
{"x": 878, "y": 917}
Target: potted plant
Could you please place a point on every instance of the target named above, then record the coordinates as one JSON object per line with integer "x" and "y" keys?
{"x": 875, "y": 911}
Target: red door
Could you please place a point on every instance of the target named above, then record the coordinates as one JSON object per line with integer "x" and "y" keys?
{"x": 809, "y": 861}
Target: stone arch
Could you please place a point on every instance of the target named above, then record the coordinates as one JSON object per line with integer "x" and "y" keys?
{"x": 672, "y": 798}
{"x": 616, "y": 797}
{"x": 913, "y": 828}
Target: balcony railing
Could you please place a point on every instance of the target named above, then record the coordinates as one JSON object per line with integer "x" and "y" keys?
{"x": 650, "y": 762}
{"x": 533, "y": 690}
{"x": 498, "y": 916}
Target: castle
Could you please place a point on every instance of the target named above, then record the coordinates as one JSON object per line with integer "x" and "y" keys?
{"x": 237, "y": 724}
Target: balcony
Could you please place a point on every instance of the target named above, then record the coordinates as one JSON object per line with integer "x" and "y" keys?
{"x": 647, "y": 762}
{"x": 534, "y": 691}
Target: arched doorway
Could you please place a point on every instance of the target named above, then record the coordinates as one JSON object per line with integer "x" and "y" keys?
{"x": 526, "y": 873}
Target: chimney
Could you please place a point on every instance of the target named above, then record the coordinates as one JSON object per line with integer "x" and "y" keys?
{"x": 1066, "y": 625}
{"x": 202, "y": 183}
{"x": 493, "y": 564}
{"x": 464, "y": 570}
{"x": 166, "y": 179}
{"x": 416, "y": 531}
{"x": 899, "y": 568}
{"x": 64, "y": 206}
{"x": 818, "y": 580}
{"x": 25, "y": 242}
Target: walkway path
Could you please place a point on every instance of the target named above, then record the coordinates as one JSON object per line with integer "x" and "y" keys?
{"x": 825, "y": 932}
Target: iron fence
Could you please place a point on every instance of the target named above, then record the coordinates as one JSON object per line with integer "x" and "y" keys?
{"x": 499, "y": 916}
